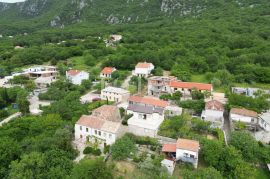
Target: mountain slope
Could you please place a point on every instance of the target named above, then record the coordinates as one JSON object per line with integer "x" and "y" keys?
{"x": 54, "y": 13}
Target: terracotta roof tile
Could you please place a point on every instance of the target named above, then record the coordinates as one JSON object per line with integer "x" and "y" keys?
{"x": 169, "y": 148}
{"x": 106, "y": 112}
{"x": 214, "y": 105}
{"x": 187, "y": 144}
{"x": 191, "y": 85}
{"x": 143, "y": 65}
{"x": 73, "y": 72}
{"x": 244, "y": 112}
{"x": 108, "y": 70}
{"x": 90, "y": 121}
{"x": 149, "y": 101}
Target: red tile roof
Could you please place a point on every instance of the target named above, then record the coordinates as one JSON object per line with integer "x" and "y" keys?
{"x": 191, "y": 85}
{"x": 108, "y": 70}
{"x": 73, "y": 72}
{"x": 187, "y": 144}
{"x": 214, "y": 105}
{"x": 143, "y": 65}
{"x": 149, "y": 101}
{"x": 244, "y": 112}
{"x": 107, "y": 112}
{"x": 90, "y": 121}
{"x": 169, "y": 148}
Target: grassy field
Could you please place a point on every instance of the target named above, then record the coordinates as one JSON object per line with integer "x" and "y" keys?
{"x": 79, "y": 63}
{"x": 199, "y": 78}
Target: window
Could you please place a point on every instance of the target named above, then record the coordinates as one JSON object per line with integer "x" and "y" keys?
{"x": 192, "y": 156}
{"x": 104, "y": 134}
{"x": 185, "y": 154}
{"x": 81, "y": 136}
{"x": 80, "y": 127}
{"x": 110, "y": 135}
{"x": 96, "y": 132}
{"x": 99, "y": 133}
{"x": 86, "y": 129}
{"x": 252, "y": 120}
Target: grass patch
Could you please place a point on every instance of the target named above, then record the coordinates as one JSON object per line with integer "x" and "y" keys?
{"x": 261, "y": 173}
{"x": 199, "y": 78}
{"x": 78, "y": 63}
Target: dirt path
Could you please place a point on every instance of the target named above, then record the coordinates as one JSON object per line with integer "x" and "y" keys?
{"x": 10, "y": 118}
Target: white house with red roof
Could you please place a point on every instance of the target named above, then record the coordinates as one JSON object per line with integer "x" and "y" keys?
{"x": 76, "y": 76}
{"x": 183, "y": 150}
{"x": 213, "y": 113}
{"x": 143, "y": 69}
{"x": 103, "y": 125}
{"x": 249, "y": 117}
{"x": 107, "y": 72}
{"x": 186, "y": 87}
{"x": 148, "y": 114}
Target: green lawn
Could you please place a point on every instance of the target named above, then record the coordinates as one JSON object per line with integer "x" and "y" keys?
{"x": 262, "y": 173}
{"x": 78, "y": 63}
{"x": 199, "y": 78}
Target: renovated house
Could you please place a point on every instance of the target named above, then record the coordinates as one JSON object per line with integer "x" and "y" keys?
{"x": 103, "y": 125}
{"x": 158, "y": 85}
{"x": 183, "y": 150}
{"x": 41, "y": 71}
{"x": 264, "y": 121}
{"x": 214, "y": 113}
{"x": 148, "y": 114}
{"x": 107, "y": 72}
{"x": 250, "y": 118}
{"x": 143, "y": 69}
{"x": 115, "y": 94}
{"x": 76, "y": 77}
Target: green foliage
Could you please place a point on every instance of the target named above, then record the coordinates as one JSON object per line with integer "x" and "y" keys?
{"x": 175, "y": 96}
{"x": 196, "y": 105}
{"x": 197, "y": 95}
{"x": 90, "y": 150}
{"x": 126, "y": 118}
{"x": 92, "y": 168}
{"x": 258, "y": 104}
{"x": 209, "y": 173}
{"x": 143, "y": 140}
{"x": 122, "y": 148}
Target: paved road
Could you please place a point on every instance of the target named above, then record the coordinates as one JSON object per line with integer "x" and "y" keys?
{"x": 10, "y": 118}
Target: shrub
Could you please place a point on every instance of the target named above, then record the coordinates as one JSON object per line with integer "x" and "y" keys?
{"x": 96, "y": 152}
{"x": 88, "y": 150}
{"x": 106, "y": 149}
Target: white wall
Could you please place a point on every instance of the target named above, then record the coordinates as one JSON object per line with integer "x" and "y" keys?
{"x": 77, "y": 80}
{"x": 114, "y": 96}
{"x": 143, "y": 71}
{"x": 108, "y": 137}
{"x": 264, "y": 125}
{"x": 180, "y": 155}
{"x": 246, "y": 119}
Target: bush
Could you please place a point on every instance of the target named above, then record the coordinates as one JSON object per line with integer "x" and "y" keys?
{"x": 88, "y": 150}
{"x": 96, "y": 152}
{"x": 143, "y": 140}
{"x": 106, "y": 149}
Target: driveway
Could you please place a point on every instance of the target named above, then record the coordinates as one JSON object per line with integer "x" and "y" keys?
{"x": 35, "y": 103}
{"x": 88, "y": 98}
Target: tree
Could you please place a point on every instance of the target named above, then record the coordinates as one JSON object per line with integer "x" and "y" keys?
{"x": 91, "y": 168}
{"x": 122, "y": 148}
{"x": 211, "y": 152}
{"x": 207, "y": 173}
{"x": 245, "y": 143}
{"x": 197, "y": 95}
{"x": 22, "y": 102}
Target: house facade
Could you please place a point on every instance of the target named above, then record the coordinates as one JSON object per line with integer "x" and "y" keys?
{"x": 104, "y": 126}
{"x": 148, "y": 114}
{"x": 143, "y": 69}
{"x": 264, "y": 121}
{"x": 186, "y": 87}
{"x": 213, "y": 113}
{"x": 76, "y": 77}
{"x": 251, "y": 92}
{"x": 107, "y": 72}
{"x": 114, "y": 94}
{"x": 250, "y": 118}
{"x": 158, "y": 85}
{"x": 183, "y": 150}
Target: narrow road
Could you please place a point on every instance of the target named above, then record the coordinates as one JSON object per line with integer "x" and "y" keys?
{"x": 126, "y": 82}
{"x": 10, "y": 118}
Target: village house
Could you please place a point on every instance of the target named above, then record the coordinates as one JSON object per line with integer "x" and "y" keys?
{"x": 158, "y": 85}
{"x": 148, "y": 114}
{"x": 115, "y": 94}
{"x": 250, "y": 118}
{"x": 143, "y": 69}
{"x": 213, "y": 113}
{"x": 76, "y": 77}
{"x": 44, "y": 82}
{"x": 186, "y": 87}
{"x": 104, "y": 125}
{"x": 264, "y": 121}
{"x": 183, "y": 150}
{"x": 107, "y": 72}
{"x": 41, "y": 71}
{"x": 115, "y": 38}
